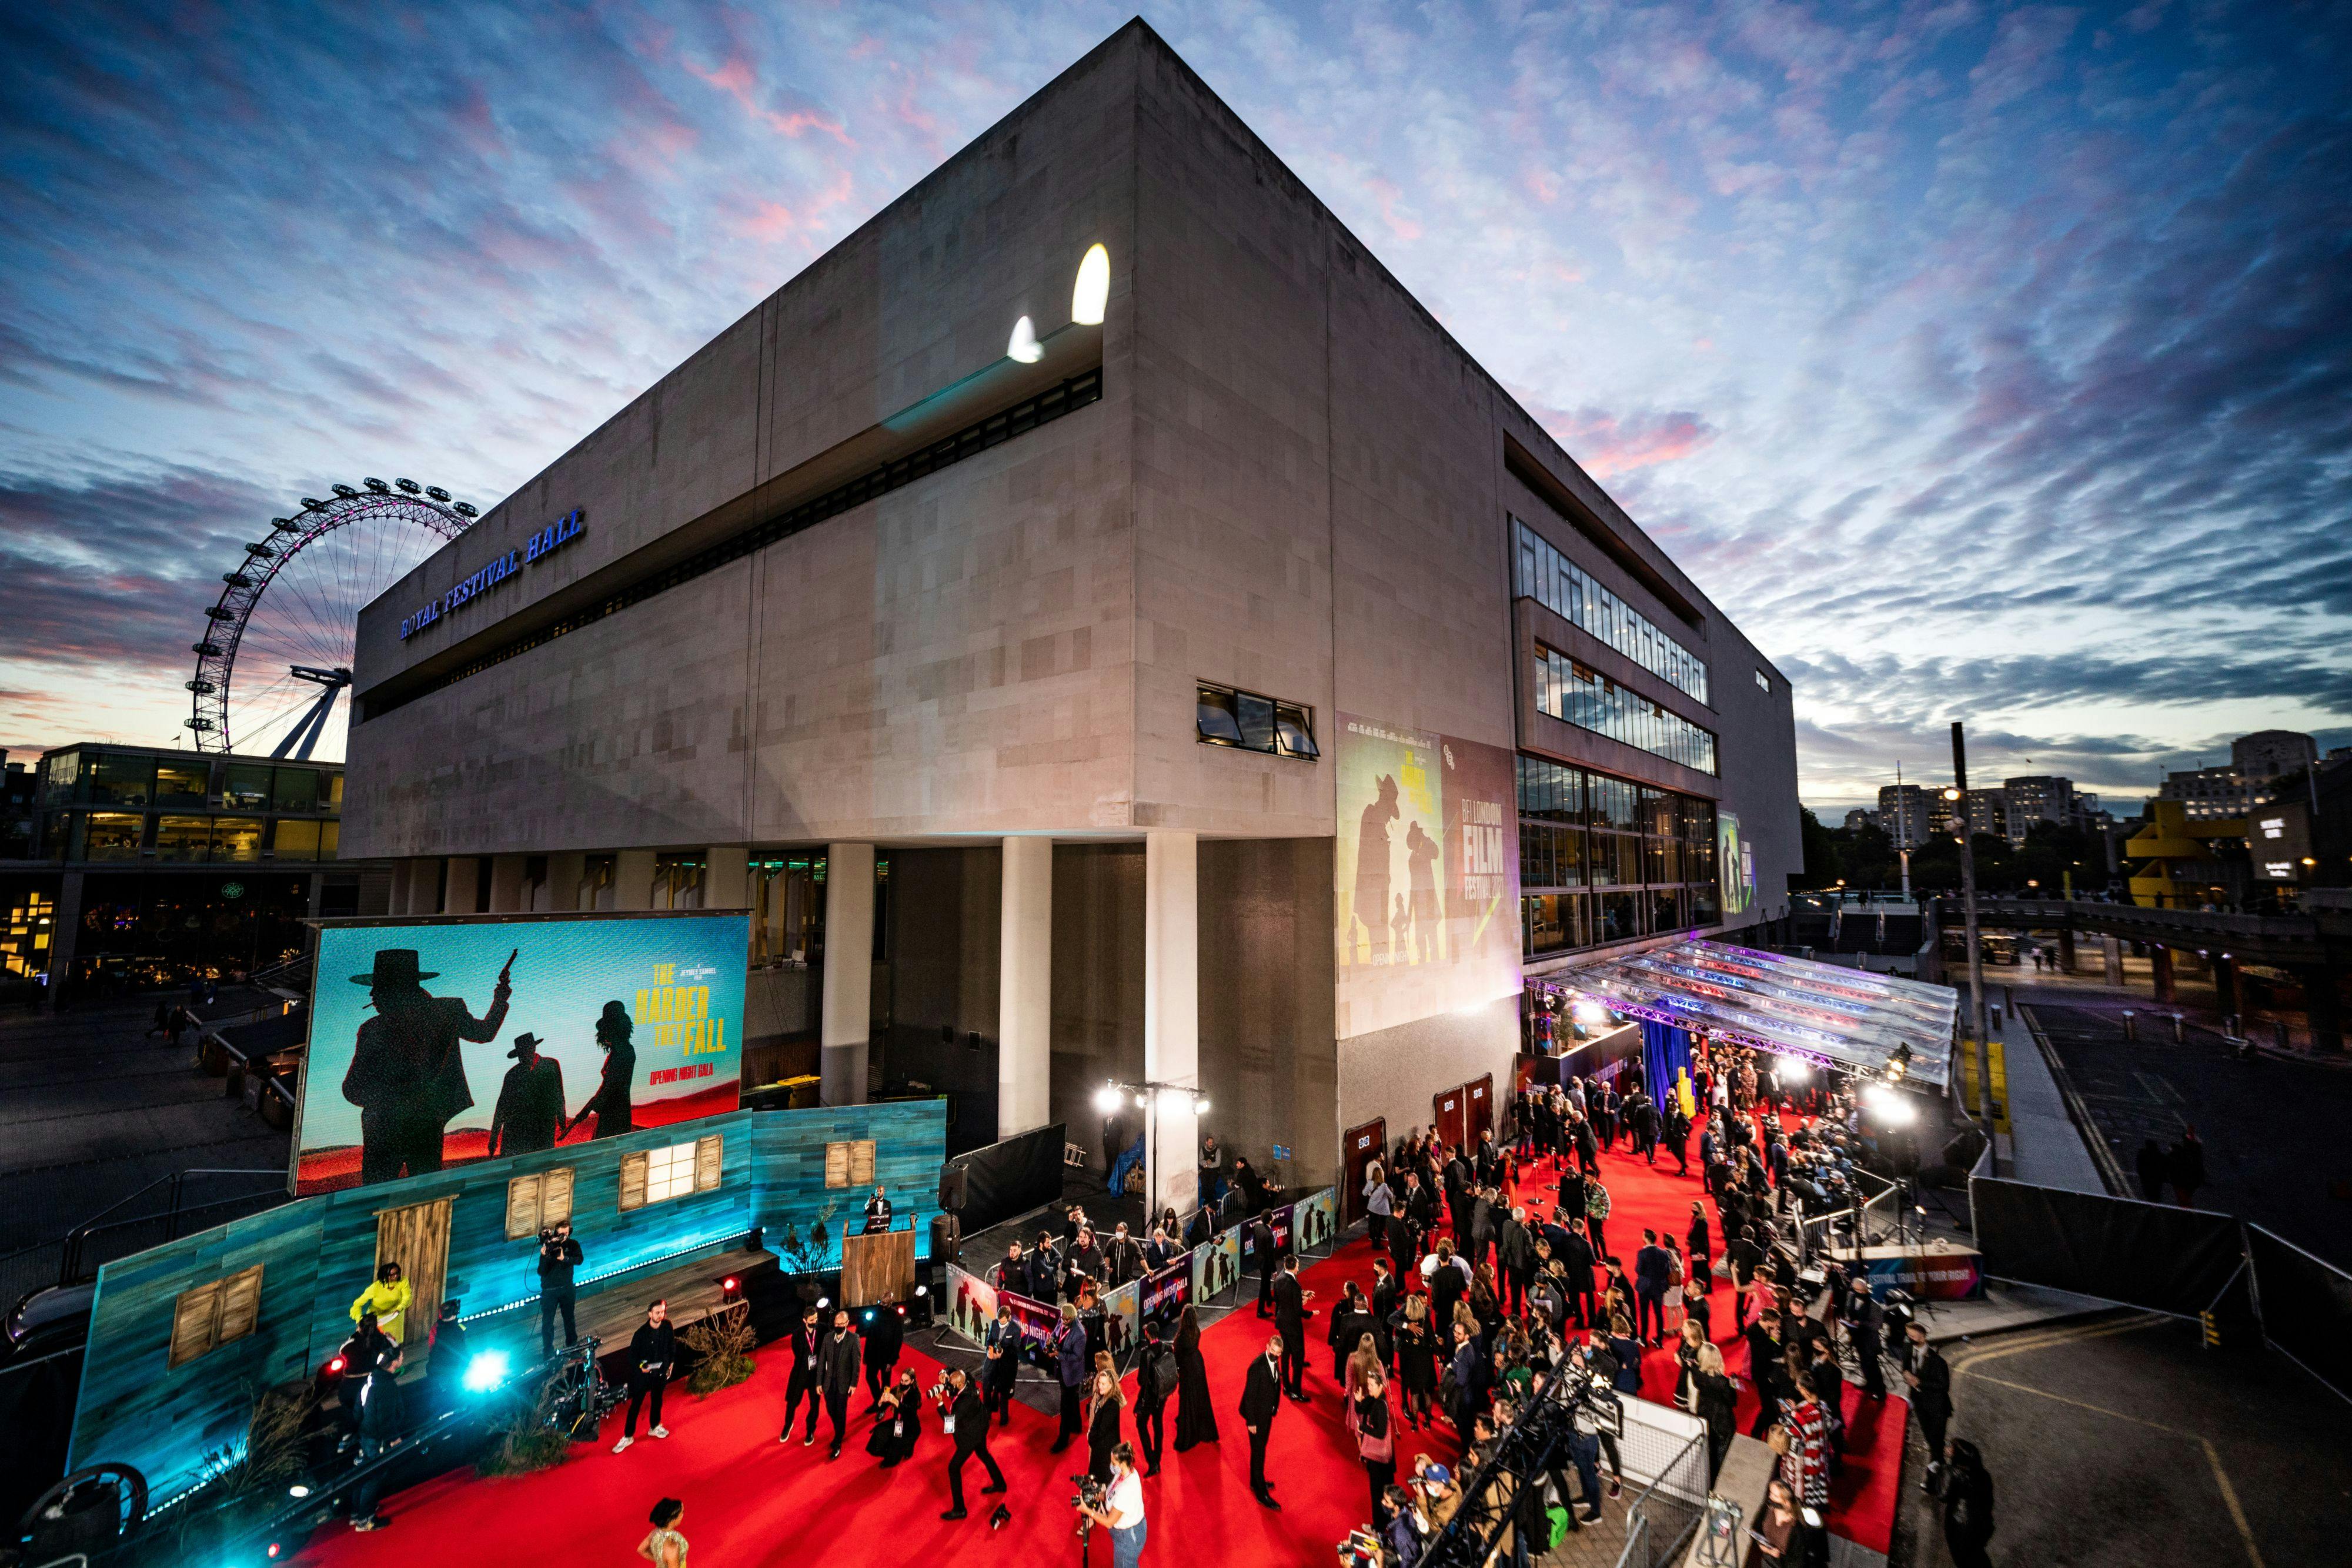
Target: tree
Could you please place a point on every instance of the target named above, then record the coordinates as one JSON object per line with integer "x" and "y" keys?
{"x": 1822, "y": 864}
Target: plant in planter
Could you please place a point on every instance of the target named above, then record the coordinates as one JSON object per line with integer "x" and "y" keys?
{"x": 529, "y": 1434}
{"x": 722, "y": 1344}
{"x": 806, "y": 1252}
{"x": 247, "y": 1480}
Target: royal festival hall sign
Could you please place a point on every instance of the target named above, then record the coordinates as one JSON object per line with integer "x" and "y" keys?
{"x": 536, "y": 548}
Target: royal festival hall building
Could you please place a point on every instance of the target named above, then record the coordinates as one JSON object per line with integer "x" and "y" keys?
{"x": 1176, "y": 663}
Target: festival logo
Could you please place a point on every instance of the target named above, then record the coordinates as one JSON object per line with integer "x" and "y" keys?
{"x": 435, "y": 1043}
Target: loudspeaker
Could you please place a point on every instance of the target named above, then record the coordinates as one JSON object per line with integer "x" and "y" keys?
{"x": 952, "y": 1188}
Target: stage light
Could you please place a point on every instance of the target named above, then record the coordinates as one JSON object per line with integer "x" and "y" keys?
{"x": 298, "y": 1489}
{"x": 1200, "y": 1106}
{"x": 1590, "y": 1012}
{"x": 1025, "y": 346}
{"x": 1092, "y": 294}
{"x": 334, "y": 1366}
{"x": 1143, "y": 1102}
{"x": 486, "y": 1372}
{"x": 1108, "y": 1099}
{"x": 1792, "y": 1069}
{"x": 922, "y": 1290}
{"x": 823, "y": 1303}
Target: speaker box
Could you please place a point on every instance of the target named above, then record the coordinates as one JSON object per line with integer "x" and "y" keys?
{"x": 953, "y": 1188}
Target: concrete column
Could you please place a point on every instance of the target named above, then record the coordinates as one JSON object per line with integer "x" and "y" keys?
{"x": 2225, "y": 986}
{"x": 848, "y": 1017}
{"x": 458, "y": 895}
{"x": 1172, "y": 1015}
{"x": 65, "y": 930}
{"x": 782, "y": 907}
{"x": 2160, "y": 960}
{"x": 565, "y": 872}
{"x": 1024, "y": 986}
{"x": 402, "y": 873}
{"x": 507, "y": 889}
{"x": 318, "y": 892}
{"x": 2111, "y": 949}
{"x": 633, "y": 879}
{"x": 2065, "y": 949}
{"x": 726, "y": 877}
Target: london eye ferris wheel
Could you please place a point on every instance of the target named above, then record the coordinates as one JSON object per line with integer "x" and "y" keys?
{"x": 277, "y": 647}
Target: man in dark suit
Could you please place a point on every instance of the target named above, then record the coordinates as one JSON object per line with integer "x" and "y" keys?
{"x": 1260, "y": 1241}
{"x": 886, "y": 1337}
{"x": 1003, "y": 1369}
{"x": 1652, "y": 1278}
{"x": 1261, "y": 1402}
{"x": 837, "y": 1374}
{"x": 877, "y": 1211}
{"x": 1864, "y": 1327}
{"x": 967, "y": 1422}
{"x": 1290, "y": 1324}
{"x": 802, "y": 1344}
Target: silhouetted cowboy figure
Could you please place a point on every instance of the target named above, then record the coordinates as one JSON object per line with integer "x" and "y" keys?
{"x": 531, "y": 1102}
{"x": 408, "y": 1071}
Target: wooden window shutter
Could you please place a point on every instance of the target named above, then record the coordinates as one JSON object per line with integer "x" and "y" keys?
{"x": 555, "y": 1196}
{"x": 836, "y": 1164}
{"x": 633, "y": 1181}
{"x": 240, "y": 1305}
{"x": 195, "y": 1318}
{"x": 522, "y": 1207}
{"x": 861, "y": 1163}
{"x": 709, "y": 1155}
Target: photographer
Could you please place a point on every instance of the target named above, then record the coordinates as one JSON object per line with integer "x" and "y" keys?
{"x": 558, "y": 1255}
{"x": 652, "y": 1352}
{"x": 964, "y": 1418}
{"x": 1121, "y": 1511}
{"x": 898, "y": 1422}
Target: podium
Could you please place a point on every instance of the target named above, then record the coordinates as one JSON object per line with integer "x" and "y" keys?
{"x": 876, "y": 1269}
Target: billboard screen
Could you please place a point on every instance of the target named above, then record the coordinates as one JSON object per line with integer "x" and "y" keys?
{"x": 1428, "y": 873}
{"x": 437, "y": 1042}
{"x": 1734, "y": 860}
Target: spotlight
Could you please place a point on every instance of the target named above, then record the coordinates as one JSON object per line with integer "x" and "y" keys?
{"x": 1143, "y": 1102}
{"x": 486, "y": 1372}
{"x": 823, "y": 1303}
{"x": 1200, "y": 1106}
{"x": 1591, "y": 1012}
{"x": 1092, "y": 294}
{"x": 922, "y": 1290}
{"x": 1792, "y": 1069}
{"x": 334, "y": 1366}
{"x": 298, "y": 1489}
{"x": 1025, "y": 346}
{"x": 1108, "y": 1099}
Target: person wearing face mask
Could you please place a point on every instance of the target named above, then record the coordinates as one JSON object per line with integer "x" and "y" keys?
{"x": 1261, "y": 1402}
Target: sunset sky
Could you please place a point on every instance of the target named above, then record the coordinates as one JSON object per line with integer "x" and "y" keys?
{"x": 1983, "y": 361}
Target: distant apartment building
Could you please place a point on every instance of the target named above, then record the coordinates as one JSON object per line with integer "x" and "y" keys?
{"x": 1905, "y": 812}
{"x": 2267, "y": 753}
{"x": 1988, "y": 812}
{"x": 1859, "y": 818}
{"x": 2044, "y": 798}
{"x": 2246, "y": 781}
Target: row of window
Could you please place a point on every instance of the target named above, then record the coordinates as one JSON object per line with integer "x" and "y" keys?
{"x": 1231, "y": 717}
{"x": 136, "y": 835}
{"x": 1571, "y": 857}
{"x": 1561, "y": 792}
{"x": 120, "y": 779}
{"x": 1559, "y": 922}
{"x": 1560, "y": 586}
{"x": 1590, "y": 700}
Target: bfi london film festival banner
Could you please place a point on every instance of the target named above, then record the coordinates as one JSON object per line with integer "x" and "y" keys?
{"x": 971, "y": 1304}
{"x": 442, "y": 1043}
{"x": 1216, "y": 1264}
{"x": 1167, "y": 1292}
{"x": 1427, "y": 875}
{"x": 1122, "y": 1313}
{"x": 1038, "y": 1322}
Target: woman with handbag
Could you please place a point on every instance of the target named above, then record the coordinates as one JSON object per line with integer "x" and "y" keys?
{"x": 1374, "y": 1429}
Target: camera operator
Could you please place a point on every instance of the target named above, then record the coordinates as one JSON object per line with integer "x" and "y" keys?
{"x": 558, "y": 1255}
{"x": 964, "y": 1418}
{"x": 1121, "y": 1511}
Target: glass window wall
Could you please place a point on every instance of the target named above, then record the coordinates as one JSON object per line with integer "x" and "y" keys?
{"x": 1549, "y": 577}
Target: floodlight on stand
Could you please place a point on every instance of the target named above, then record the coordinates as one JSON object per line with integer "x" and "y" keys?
{"x": 486, "y": 1372}
{"x": 1792, "y": 1069}
{"x": 1108, "y": 1099}
{"x": 1200, "y": 1106}
{"x": 1143, "y": 1101}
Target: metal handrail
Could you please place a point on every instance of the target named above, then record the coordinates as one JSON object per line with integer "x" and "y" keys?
{"x": 74, "y": 1239}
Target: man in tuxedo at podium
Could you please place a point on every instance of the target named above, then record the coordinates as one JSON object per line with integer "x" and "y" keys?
{"x": 877, "y": 1211}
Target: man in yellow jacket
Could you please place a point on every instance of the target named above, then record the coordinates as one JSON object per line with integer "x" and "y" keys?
{"x": 386, "y": 1302}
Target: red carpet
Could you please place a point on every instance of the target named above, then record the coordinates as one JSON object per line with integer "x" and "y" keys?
{"x": 751, "y": 1501}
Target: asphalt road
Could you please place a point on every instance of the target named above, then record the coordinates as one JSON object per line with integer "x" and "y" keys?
{"x": 2276, "y": 1149}
{"x": 2120, "y": 1440}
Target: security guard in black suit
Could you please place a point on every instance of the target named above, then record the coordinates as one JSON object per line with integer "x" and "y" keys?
{"x": 967, "y": 1421}
{"x": 1290, "y": 1323}
{"x": 1261, "y": 1402}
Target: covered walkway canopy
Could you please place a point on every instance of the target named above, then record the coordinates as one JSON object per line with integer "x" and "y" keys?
{"x": 1849, "y": 1018}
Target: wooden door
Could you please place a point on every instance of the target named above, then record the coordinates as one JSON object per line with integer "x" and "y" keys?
{"x": 1360, "y": 1146}
{"x": 1447, "y": 1107}
{"x": 417, "y": 1239}
{"x": 1479, "y": 1107}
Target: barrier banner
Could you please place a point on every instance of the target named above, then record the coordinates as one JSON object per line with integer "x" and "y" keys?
{"x": 1039, "y": 1322}
{"x": 1167, "y": 1291}
{"x": 1122, "y": 1320}
{"x": 1315, "y": 1220}
{"x": 2149, "y": 1255}
{"x": 2306, "y": 1307}
{"x": 971, "y": 1304}
{"x": 1216, "y": 1264}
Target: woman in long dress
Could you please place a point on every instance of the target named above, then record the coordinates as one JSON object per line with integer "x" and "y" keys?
{"x": 1196, "y": 1419}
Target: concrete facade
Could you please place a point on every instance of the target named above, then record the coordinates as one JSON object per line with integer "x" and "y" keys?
{"x": 1293, "y": 483}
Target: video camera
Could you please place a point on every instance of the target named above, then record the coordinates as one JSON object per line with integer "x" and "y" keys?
{"x": 1091, "y": 1494}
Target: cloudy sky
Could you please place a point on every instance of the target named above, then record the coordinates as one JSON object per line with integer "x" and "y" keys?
{"x": 1985, "y": 361}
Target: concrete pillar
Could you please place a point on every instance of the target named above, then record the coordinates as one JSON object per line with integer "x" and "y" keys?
{"x": 2111, "y": 949}
{"x": 1171, "y": 1016}
{"x": 317, "y": 892}
{"x": 1024, "y": 986}
{"x": 2160, "y": 960}
{"x": 402, "y": 873}
{"x": 782, "y": 908}
{"x": 2225, "y": 986}
{"x": 507, "y": 888}
{"x": 726, "y": 877}
{"x": 2065, "y": 949}
{"x": 848, "y": 1017}
{"x": 459, "y": 894}
{"x": 565, "y": 872}
{"x": 633, "y": 879}
{"x": 65, "y": 930}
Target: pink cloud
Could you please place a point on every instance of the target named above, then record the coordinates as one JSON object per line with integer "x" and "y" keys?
{"x": 1607, "y": 444}
{"x": 736, "y": 78}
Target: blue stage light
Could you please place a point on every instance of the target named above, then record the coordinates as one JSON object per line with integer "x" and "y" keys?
{"x": 486, "y": 1372}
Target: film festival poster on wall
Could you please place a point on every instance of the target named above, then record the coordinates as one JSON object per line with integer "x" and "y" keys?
{"x": 1216, "y": 1264}
{"x": 436, "y": 1043}
{"x": 1427, "y": 875}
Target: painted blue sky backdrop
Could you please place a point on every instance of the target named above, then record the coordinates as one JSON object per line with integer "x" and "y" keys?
{"x": 1984, "y": 360}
